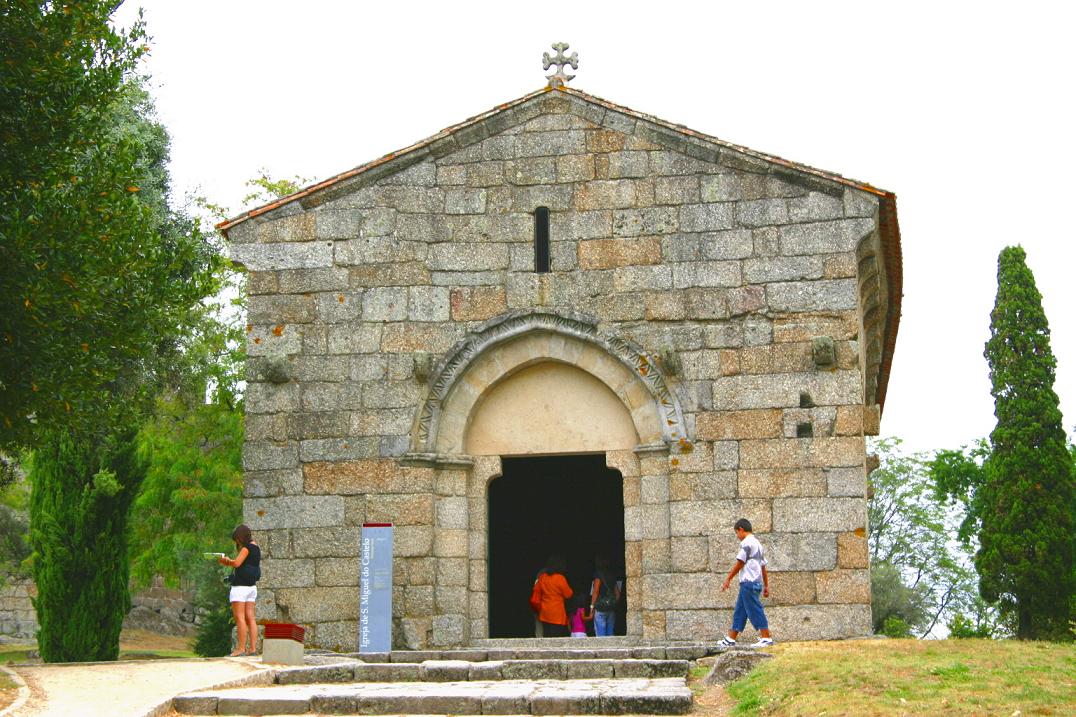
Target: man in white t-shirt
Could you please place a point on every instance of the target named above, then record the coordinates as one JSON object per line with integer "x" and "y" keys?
{"x": 751, "y": 564}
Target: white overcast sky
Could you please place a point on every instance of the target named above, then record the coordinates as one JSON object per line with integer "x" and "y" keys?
{"x": 964, "y": 110}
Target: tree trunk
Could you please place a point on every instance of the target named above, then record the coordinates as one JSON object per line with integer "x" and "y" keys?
{"x": 1023, "y": 627}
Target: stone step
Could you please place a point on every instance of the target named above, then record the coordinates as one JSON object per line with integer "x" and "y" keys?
{"x": 489, "y": 670}
{"x": 518, "y": 697}
{"x": 534, "y": 649}
{"x": 530, "y": 642}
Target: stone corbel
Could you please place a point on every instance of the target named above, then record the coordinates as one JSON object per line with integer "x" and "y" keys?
{"x": 436, "y": 460}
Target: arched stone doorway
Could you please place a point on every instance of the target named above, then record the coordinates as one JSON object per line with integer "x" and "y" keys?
{"x": 541, "y": 385}
{"x": 550, "y": 423}
{"x": 571, "y": 506}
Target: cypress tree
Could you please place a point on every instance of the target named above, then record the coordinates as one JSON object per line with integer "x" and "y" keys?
{"x": 1026, "y": 503}
{"x": 79, "y": 508}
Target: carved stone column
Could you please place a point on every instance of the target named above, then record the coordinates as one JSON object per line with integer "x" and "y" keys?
{"x": 485, "y": 469}
{"x": 627, "y": 462}
{"x": 654, "y": 532}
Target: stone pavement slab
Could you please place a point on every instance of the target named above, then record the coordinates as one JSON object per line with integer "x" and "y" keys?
{"x": 594, "y": 696}
{"x": 462, "y": 671}
{"x": 538, "y": 649}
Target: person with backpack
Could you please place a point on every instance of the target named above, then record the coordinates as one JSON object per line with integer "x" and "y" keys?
{"x": 244, "y": 592}
{"x": 604, "y": 595}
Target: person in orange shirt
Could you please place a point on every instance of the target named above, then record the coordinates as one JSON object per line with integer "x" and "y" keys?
{"x": 552, "y": 590}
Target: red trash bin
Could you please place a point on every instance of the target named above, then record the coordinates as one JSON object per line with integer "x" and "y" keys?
{"x": 284, "y": 631}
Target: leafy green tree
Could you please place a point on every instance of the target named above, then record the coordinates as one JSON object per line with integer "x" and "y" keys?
{"x": 898, "y": 609}
{"x": 961, "y": 628}
{"x": 14, "y": 522}
{"x": 919, "y": 575}
{"x": 192, "y": 495}
{"x": 97, "y": 270}
{"x": 9, "y": 471}
{"x": 957, "y": 475}
{"x": 1020, "y": 494}
{"x": 101, "y": 283}
{"x": 978, "y": 620}
{"x": 191, "y": 445}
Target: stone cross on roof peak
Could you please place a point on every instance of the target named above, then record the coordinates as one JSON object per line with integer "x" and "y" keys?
{"x": 558, "y": 78}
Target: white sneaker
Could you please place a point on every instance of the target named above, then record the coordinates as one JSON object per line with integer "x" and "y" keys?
{"x": 725, "y": 643}
{"x": 763, "y": 642}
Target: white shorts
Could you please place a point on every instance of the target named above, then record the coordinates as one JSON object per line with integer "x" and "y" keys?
{"x": 243, "y": 593}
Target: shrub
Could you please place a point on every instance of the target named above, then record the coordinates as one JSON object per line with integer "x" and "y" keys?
{"x": 963, "y": 628}
{"x": 213, "y": 637}
{"x": 895, "y": 627}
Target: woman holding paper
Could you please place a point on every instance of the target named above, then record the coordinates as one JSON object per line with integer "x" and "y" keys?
{"x": 247, "y": 564}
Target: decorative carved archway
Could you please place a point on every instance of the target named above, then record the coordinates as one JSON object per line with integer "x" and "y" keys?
{"x": 499, "y": 352}
{"x": 517, "y": 340}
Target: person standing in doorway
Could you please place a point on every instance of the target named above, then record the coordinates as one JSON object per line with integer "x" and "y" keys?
{"x": 244, "y": 592}
{"x": 580, "y": 616}
{"x": 534, "y": 591}
{"x": 604, "y": 596}
{"x": 754, "y": 580}
{"x": 548, "y": 598}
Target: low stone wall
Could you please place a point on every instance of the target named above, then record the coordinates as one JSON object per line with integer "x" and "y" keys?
{"x": 157, "y": 609}
{"x": 17, "y": 616}
{"x": 162, "y": 610}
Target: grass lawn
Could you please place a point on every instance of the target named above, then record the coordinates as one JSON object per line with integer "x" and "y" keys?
{"x": 15, "y": 653}
{"x": 911, "y": 677}
{"x": 134, "y": 645}
{"x": 144, "y": 645}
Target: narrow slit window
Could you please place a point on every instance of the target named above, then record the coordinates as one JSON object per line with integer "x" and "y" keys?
{"x": 541, "y": 240}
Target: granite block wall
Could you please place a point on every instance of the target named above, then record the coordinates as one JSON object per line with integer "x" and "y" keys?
{"x": 721, "y": 269}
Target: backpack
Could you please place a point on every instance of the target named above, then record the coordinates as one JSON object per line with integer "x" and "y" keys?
{"x": 606, "y": 601}
{"x": 757, "y": 555}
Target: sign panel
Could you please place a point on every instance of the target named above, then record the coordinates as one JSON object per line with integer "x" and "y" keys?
{"x": 375, "y": 588}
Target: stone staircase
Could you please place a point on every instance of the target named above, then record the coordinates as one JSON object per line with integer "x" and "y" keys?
{"x": 518, "y": 678}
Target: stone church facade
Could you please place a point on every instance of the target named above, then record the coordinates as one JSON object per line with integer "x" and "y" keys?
{"x": 716, "y": 322}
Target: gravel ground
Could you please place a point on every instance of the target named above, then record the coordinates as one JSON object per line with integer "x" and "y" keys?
{"x": 120, "y": 689}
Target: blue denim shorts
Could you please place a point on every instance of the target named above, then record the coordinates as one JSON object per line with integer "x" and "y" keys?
{"x": 749, "y": 607}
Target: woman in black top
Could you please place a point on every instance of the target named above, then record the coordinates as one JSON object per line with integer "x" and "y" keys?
{"x": 247, "y": 564}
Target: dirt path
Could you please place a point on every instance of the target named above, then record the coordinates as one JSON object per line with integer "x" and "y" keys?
{"x": 120, "y": 689}
{"x": 713, "y": 702}
{"x": 710, "y": 701}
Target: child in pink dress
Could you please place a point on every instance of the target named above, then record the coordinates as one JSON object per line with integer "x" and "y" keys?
{"x": 579, "y": 616}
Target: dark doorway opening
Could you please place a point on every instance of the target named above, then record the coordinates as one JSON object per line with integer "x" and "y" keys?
{"x": 567, "y": 505}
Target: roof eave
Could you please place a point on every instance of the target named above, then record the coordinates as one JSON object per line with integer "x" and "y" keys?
{"x": 891, "y": 250}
